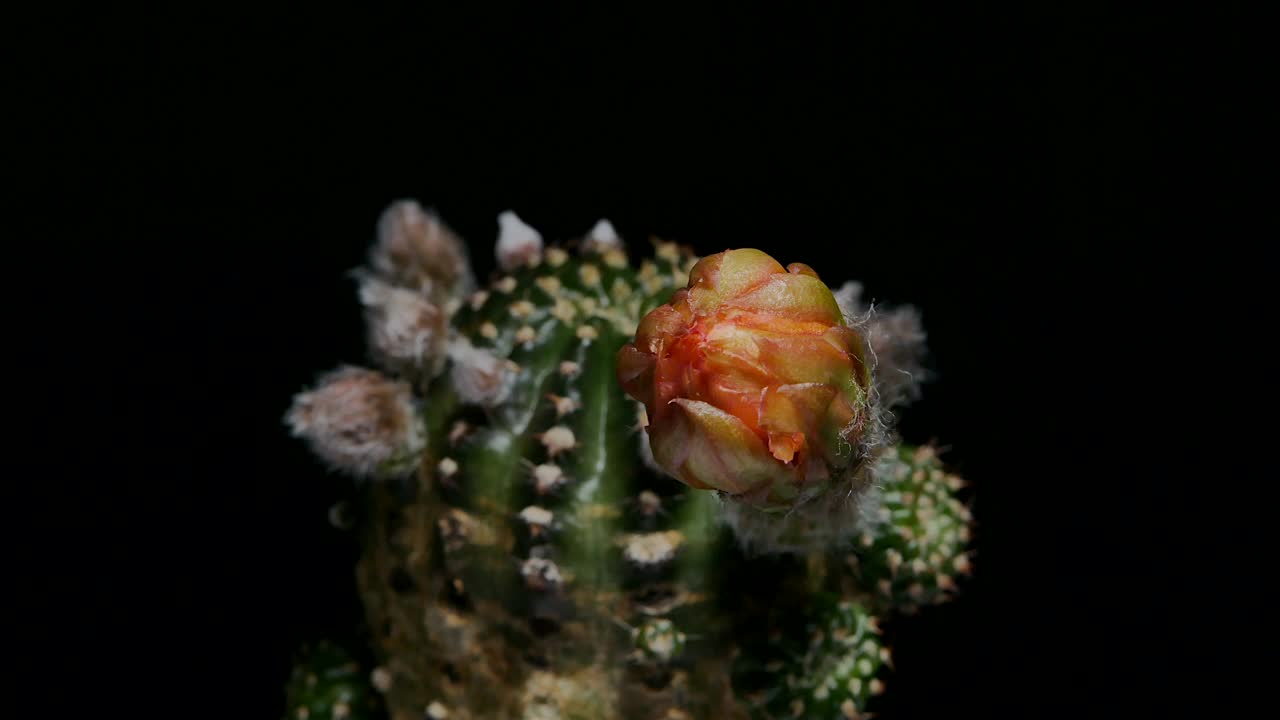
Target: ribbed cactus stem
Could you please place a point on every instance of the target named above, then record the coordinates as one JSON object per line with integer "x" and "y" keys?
{"x": 697, "y": 522}
{"x": 600, "y": 465}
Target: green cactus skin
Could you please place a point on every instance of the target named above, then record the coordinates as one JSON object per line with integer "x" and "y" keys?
{"x": 917, "y": 552}
{"x": 824, "y": 667}
{"x": 328, "y": 684}
{"x": 534, "y": 567}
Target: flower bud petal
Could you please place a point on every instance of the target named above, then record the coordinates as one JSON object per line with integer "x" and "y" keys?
{"x": 728, "y": 274}
{"x": 703, "y": 445}
{"x": 794, "y": 416}
{"x": 662, "y": 324}
{"x": 798, "y": 297}
{"x": 802, "y": 269}
{"x": 635, "y": 373}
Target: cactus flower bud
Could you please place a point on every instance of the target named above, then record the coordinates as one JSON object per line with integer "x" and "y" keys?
{"x": 406, "y": 332}
{"x": 416, "y": 250}
{"x": 603, "y": 236}
{"x": 361, "y": 422}
{"x": 752, "y": 383}
{"x": 518, "y": 243}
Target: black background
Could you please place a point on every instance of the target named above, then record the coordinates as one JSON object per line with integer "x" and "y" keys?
{"x": 1013, "y": 173}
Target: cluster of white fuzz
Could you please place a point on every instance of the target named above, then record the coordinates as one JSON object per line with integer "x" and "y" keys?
{"x": 651, "y": 549}
{"x": 417, "y": 251}
{"x": 361, "y": 422}
{"x": 603, "y": 237}
{"x": 518, "y": 243}
{"x": 478, "y": 376}
{"x": 897, "y": 339}
{"x": 407, "y": 332}
{"x": 541, "y": 574}
{"x": 832, "y": 520}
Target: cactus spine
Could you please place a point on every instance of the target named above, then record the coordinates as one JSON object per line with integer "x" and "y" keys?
{"x": 524, "y": 556}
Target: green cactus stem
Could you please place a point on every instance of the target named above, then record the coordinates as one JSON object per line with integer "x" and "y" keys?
{"x": 916, "y": 550}
{"x": 826, "y": 665}
{"x": 529, "y": 555}
{"x": 327, "y": 683}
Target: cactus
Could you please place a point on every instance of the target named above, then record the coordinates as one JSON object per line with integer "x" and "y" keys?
{"x": 327, "y": 683}
{"x": 596, "y": 489}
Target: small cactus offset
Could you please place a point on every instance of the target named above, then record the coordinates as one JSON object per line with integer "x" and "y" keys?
{"x": 594, "y": 489}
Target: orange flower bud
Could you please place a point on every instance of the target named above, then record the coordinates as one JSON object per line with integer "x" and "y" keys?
{"x": 753, "y": 384}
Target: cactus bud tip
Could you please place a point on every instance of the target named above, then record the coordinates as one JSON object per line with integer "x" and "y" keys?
{"x": 518, "y": 243}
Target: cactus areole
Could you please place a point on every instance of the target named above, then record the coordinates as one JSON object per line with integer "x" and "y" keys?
{"x": 590, "y": 489}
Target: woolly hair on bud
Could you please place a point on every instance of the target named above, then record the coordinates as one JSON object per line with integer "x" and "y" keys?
{"x": 831, "y": 522}
{"x": 625, "y": 491}
{"x": 897, "y": 343}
